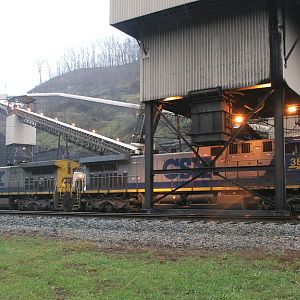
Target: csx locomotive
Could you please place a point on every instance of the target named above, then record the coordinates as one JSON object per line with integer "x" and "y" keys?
{"x": 116, "y": 183}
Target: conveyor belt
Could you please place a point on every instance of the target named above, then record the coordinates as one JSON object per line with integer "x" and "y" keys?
{"x": 108, "y": 103}
{"x": 88, "y": 140}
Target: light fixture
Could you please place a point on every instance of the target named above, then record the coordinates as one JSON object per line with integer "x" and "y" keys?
{"x": 172, "y": 98}
{"x": 291, "y": 109}
{"x": 258, "y": 86}
{"x": 239, "y": 119}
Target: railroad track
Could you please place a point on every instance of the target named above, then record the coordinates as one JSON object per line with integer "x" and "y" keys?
{"x": 141, "y": 215}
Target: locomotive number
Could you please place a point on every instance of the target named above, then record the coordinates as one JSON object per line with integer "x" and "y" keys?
{"x": 295, "y": 163}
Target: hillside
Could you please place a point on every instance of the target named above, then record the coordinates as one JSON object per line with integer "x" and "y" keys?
{"x": 116, "y": 83}
{"x": 119, "y": 83}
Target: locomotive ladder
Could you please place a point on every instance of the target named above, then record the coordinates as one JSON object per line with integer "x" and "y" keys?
{"x": 69, "y": 195}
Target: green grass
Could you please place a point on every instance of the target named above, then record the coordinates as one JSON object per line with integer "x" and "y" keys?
{"x": 37, "y": 268}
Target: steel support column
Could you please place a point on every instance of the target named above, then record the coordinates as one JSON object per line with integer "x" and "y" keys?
{"x": 149, "y": 135}
{"x": 280, "y": 176}
{"x": 277, "y": 62}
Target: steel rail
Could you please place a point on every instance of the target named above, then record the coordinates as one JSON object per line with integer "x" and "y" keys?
{"x": 190, "y": 214}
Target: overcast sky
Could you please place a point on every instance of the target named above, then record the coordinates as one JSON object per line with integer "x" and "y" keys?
{"x": 44, "y": 29}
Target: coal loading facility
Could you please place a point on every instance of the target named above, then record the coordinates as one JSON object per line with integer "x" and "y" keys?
{"x": 226, "y": 65}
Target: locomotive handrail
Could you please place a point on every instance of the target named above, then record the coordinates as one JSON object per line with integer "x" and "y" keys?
{"x": 215, "y": 169}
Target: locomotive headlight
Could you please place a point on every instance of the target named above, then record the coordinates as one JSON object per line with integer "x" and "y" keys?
{"x": 292, "y": 109}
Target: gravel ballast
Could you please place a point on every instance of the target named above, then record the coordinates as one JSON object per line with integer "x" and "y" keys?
{"x": 159, "y": 233}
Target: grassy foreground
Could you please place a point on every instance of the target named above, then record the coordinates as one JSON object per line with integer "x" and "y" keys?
{"x": 36, "y": 268}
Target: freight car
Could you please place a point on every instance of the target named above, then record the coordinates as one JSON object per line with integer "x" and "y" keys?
{"x": 116, "y": 183}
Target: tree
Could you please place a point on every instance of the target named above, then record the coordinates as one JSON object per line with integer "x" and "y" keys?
{"x": 39, "y": 64}
{"x": 107, "y": 52}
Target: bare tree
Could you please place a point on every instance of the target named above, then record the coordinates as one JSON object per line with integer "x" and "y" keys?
{"x": 39, "y": 64}
{"x": 101, "y": 53}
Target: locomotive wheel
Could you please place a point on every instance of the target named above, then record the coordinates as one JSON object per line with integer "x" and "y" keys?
{"x": 67, "y": 202}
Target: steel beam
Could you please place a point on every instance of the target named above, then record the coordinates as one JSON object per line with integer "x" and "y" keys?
{"x": 277, "y": 63}
{"x": 280, "y": 176}
{"x": 149, "y": 136}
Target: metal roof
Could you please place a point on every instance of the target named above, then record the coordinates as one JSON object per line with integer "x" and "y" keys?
{"x": 129, "y": 15}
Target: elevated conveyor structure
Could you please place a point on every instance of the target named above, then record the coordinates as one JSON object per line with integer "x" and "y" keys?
{"x": 83, "y": 138}
{"x": 4, "y": 109}
{"x": 111, "y": 104}
{"x": 137, "y": 109}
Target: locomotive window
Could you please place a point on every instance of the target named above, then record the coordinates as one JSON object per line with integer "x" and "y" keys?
{"x": 290, "y": 148}
{"x": 215, "y": 150}
{"x": 233, "y": 149}
{"x": 267, "y": 146}
{"x": 103, "y": 167}
{"x": 43, "y": 171}
{"x": 246, "y": 148}
{"x": 69, "y": 168}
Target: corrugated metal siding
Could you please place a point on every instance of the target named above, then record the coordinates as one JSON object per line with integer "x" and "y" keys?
{"x": 226, "y": 45}
{"x": 292, "y": 72}
{"x": 123, "y": 10}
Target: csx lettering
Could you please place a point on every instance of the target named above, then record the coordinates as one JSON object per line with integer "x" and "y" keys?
{"x": 181, "y": 163}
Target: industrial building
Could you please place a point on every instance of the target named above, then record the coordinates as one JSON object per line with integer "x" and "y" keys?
{"x": 211, "y": 60}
